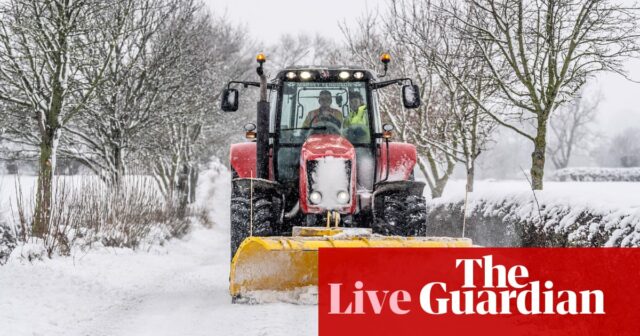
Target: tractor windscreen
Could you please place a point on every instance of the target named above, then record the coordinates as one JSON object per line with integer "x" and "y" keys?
{"x": 327, "y": 107}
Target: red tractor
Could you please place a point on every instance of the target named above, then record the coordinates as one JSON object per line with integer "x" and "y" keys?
{"x": 321, "y": 155}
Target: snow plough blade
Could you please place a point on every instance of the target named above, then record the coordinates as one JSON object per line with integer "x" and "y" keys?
{"x": 288, "y": 263}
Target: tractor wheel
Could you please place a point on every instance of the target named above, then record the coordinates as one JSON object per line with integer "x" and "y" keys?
{"x": 389, "y": 220}
{"x": 242, "y": 225}
{"x": 401, "y": 215}
{"x": 415, "y": 216}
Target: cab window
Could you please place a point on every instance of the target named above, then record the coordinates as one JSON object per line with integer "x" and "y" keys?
{"x": 328, "y": 107}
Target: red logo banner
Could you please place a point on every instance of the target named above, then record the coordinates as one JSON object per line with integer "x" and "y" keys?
{"x": 479, "y": 291}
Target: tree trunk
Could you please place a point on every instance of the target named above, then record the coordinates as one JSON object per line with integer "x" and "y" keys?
{"x": 194, "y": 182}
{"x": 118, "y": 168}
{"x": 44, "y": 193}
{"x": 436, "y": 183}
{"x": 438, "y": 189}
{"x": 184, "y": 189}
{"x": 471, "y": 171}
{"x": 538, "y": 155}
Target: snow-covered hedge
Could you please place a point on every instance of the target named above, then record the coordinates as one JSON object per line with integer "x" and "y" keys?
{"x": 596, "y": 174}
{"x": 586, "y": 215}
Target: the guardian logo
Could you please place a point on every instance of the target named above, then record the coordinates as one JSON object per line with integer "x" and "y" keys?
{"x": 503, "y": 292}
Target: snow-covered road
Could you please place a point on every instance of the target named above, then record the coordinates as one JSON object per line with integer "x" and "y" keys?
{"x": 179, "y": 289}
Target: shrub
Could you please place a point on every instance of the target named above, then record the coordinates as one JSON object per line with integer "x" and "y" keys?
{"x": 514, "y": 222}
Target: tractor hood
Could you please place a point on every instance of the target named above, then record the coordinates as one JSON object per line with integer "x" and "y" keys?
{"x": 327, "y": 166}
{"x": 328, "y": 145}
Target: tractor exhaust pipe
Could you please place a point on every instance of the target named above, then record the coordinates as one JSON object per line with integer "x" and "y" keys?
{"x": 262, "y": 140}
{"x": 262, "y": 120}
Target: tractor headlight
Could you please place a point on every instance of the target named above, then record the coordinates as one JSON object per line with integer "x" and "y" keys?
{"x": 358, "y": 75}
{"x": 343, "y": 197}
{"x": 315, "y": 197}
{"x": 305, "y": 75}
{"x": 344, "y": 75}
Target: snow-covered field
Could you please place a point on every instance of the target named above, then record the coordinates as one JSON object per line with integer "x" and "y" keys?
{"x": 181, "y": 288}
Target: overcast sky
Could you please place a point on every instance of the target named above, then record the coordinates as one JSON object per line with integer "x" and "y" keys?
{"x": 267, "y": 20}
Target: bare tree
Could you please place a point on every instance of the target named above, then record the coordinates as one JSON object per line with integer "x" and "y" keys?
{"x": 135, "y": 84}
{"x": 425, "y": 37}
{"x": 425, "y": 126}
{"x": 571, "y": 128}
{"x": 540, "y": 55}
{"x": 43, "y": 47}
{"x": 214, "y": 52}
{"x": 623, "y": 150}
{"x": 627, "y": 147}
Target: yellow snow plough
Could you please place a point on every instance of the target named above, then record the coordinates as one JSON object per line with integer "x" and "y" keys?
{"x": 287, "y": 263}
{"x": 319, "y": 171}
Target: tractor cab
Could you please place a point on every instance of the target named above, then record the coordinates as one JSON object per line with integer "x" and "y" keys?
{"x": 323, "y": 103}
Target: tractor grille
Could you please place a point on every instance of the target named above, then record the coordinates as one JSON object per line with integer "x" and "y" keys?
{"x": 329, "y": 176}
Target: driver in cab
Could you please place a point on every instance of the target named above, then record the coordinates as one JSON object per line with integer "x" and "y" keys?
{"x": 324, "y": 113}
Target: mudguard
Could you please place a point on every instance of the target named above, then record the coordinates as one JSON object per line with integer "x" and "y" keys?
{"x": 242, "y": 157}
{"x": 242, "y": 187}
{"x": 402, "y": 160}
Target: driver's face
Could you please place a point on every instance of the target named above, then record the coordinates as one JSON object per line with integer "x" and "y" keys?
{"x": 354, "y": 103}
{"x": 325, "y": 100}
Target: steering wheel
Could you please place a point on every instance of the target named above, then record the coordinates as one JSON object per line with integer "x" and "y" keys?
{"x": 328, "y": 126}
{"x": 328, "y": 123}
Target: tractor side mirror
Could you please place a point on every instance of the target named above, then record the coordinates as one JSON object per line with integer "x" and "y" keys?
{"x": 229, "y": 101}
{"x": 411, "y": 96}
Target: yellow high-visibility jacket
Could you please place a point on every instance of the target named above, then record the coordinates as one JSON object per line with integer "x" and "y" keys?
{"x": 356, "y": 125}
{"x": 358, "y": 117}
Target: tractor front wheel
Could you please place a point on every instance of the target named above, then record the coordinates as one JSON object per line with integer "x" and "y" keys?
{"x": 401, "y": 215}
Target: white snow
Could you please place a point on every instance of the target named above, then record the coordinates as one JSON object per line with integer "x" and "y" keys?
{"x": 300, "y": 296}
{"x": 182, "y": 288}
{"x": 596, "y": 195}
{"x": 616, "y": 205}
{"x": 353, "y": 233}
{"x": 596, "y": 174}
{"x": 177, "y": 289}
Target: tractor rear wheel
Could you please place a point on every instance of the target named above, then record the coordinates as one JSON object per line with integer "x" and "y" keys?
{"x": 242, "y": 223}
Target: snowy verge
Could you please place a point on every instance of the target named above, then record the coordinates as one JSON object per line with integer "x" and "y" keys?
{"x": 506, "y": 213}
{"x": 86, "y": 217}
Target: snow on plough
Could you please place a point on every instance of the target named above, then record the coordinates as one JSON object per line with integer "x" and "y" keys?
{"x": 319, "y": 171}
